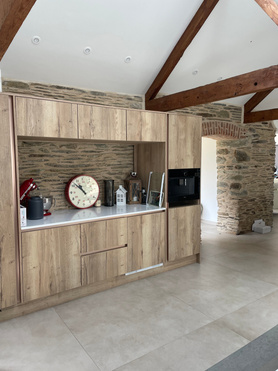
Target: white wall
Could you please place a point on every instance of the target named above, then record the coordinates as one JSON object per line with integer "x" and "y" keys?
{"x": 209, "y": 180}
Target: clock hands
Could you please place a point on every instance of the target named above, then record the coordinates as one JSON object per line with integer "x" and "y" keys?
{"x": 80, "y": 187}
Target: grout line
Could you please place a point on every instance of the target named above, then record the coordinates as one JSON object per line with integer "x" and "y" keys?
{"x": 76, "y": 338}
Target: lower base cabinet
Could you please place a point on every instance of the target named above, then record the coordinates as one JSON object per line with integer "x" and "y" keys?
{"x": 63, "y": 258}
{"x": 50, "y": 261}
{"x": 146, "y": 241}
{"x": 104, "y": 265}
{"x": 184, "y": 232}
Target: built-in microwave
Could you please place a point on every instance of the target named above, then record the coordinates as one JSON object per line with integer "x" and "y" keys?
{"x": 183, "y": 187}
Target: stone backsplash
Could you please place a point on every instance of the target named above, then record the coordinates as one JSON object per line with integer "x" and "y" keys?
{"x": 52, "y": 164}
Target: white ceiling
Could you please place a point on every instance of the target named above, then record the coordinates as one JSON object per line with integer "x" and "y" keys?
{"x": 238, "y": 37}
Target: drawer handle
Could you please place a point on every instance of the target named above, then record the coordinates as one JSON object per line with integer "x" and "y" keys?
{"x": 103, "y": 250}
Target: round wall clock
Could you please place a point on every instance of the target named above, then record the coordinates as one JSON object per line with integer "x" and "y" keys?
{"x": 82, "y": 191}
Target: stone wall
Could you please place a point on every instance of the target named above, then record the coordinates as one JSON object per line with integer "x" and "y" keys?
{"x": 244, "y": 164}
{"x": 72, "y": 94}
{"x": 245, "y": 178}
{"x": 52, "y": 164}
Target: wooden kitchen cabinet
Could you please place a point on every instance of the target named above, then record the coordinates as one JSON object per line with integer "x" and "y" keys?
{"x": 184, "y": 141}
{"x": 146, "y": 240}
{"x": 101, "y": 266}
{"x": 103, "y": 235}
{"x": 146, "y": 126}
{"x": 104, "y": 250}
{"x": 43, "y": 118}
{"x": 184, "y": 232}
{"x": 50, "y": 261}
{"x": 101, "y": 123}
{"x": 8, "y": 209}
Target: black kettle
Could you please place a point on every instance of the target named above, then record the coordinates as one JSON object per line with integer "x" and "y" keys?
{"x": 35, "y": 208}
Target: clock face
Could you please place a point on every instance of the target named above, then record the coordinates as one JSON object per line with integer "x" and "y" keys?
{"x": 82, "y": 191}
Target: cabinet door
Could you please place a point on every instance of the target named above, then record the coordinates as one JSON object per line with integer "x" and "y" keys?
{"x": 101, "y": 123}
{"x": 184, "y": 232}
{"x": 8, "y": 210}
{"x": 185, "y": 135}
{"x": 146, "y": 240}
{"x": 42, "y": 118}
{"x": 50, "y": 261}
{"x": 103, "y": 235}
{"x": 146, "y": 126}
{"x": 105, "y": 265}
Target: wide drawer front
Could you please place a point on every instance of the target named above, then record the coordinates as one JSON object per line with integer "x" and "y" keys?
{"x": 105, "y": 265}
{"x": 103, "y": 235}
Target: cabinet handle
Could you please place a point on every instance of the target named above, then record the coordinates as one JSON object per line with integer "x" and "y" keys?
{"x": 103, "y": 250}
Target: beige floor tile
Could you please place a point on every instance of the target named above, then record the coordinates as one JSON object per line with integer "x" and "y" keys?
{"x": 256, "y": 261}
{"x": 194, "y": 352}
{"x": 213, "y": 289}
{"x": 254, "y": 319}
{"x": 41, "y": 342}
{"x": 130, "y": 321}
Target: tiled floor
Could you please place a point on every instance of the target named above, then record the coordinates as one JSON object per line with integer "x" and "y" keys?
{"x": 186, "y": 319}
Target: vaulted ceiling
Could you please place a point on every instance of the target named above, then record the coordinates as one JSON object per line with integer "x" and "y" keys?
{"x": 128, "y": 43}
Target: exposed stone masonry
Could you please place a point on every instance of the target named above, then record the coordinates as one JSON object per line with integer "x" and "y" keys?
{"x": 245, "y": 179}
{"x": 72, "y": 94}
{"x": 244, "y": 164}
{"x": 52, "y": 164}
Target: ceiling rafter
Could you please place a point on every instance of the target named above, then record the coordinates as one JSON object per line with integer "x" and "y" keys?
{"x": 191, "y": 31}
{"x": 255, "y": 100}
{"x": 270, "y": 7}
{"x": 16, "y": 12}
{"x": 267, "y": 115}
{"x": 248, "y": 83}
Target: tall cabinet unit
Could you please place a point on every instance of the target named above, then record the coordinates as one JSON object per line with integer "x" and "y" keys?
{"x": 8, "y": 209}
{"x": 184, "y": 152}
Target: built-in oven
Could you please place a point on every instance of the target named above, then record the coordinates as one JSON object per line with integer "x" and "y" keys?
{"x": 183, "y": 187}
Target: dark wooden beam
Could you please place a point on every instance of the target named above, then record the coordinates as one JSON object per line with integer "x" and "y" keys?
{"x": 193, "y": 28}
{"x": 15, "y": 12}
{"x": 271, "y": 9}
{"x": 255, "y": 100}
{"x": 259, "y": 116}
{"x": 248, "y": 83}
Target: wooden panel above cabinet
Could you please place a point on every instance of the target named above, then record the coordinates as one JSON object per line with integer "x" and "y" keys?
{"x": 43, "y": 118}
{"x": 146, "y": 126}
{"x": 101, "y": 123}
{"x": 184, "y": 143}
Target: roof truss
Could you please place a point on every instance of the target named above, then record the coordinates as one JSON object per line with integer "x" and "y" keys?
{"x": 13, "y": 14}
{"x": 261, "y": 81}
{"x": 191, "y": 31}
{"x": 271, "y": 9}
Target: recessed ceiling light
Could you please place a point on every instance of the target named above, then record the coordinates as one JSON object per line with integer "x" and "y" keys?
{"x": 87, "y": 50}
{"x": 36, "y": 40}
{"x": 195, "y": 72}
{"x": 128, "y": 59}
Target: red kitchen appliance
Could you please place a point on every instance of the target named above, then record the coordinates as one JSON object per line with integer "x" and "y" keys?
{"x": 26, "y": 187}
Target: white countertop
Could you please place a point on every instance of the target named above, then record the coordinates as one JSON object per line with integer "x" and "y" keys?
{"x": 73, "y": 216}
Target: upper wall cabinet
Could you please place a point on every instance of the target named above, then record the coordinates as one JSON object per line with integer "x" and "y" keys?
{"x": 146, "y": 126}
{"x": 185, "y": 135}
{"x": 101, "y": 123}
{"x": 42, "y": 118}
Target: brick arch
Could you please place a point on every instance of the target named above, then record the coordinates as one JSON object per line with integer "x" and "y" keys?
{"x": 222, "y": 130}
